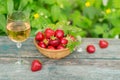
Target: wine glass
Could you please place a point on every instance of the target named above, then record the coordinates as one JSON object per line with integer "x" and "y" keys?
{"x": 18, "y": 29}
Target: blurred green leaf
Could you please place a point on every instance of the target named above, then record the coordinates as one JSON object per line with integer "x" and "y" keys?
{"x": 98, "y": 29}
{"x": 101, "y": 28}
{"x": 23, "y": 4}
{"x": 10, "y": 6}
{"x": 43, "y": 12}
{"x": 2, "y": 22}
{"x": 55, "y": 12}
{"x": 98, "y": 3}
{"x": 27, "y": 12}
{"x": 116, "y": 3}
{"x": 63, "y": 3}
{"x": 91, "y": 12}
{"x": 49, "y": 1}
{"x": 80, "y": 20}
{"x": 114, "y": 18}
{"x": 3, "y": 7}
{"x": 62, "y": 17}
{"x": 106, "y": 35}
{"x": 76, "y": 16}
{"x": 115, "y": 31}
{"x": 40, "y": 23}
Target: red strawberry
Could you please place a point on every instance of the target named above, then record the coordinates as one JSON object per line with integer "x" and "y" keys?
{"x": 39, "y": 36}
{"x": 36, "y": 65}
{"x": 72, "y": 38}
{"x": 51, "y": 47}
{"x": 59, "y": 33}
{"x": 103, "y": 44}
{"x": 54, "y": 43}
{"x": 64, "y": 41}
{"x": 60, "y": 47}
{"x": 42, "y": 44}
{"x": 90, "y": 49}
{"x": 49, "y": 32}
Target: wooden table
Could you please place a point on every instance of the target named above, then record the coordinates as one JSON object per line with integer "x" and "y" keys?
{"x": 104, "y": 64}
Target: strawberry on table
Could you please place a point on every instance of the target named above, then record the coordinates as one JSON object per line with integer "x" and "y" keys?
{"x": 36, "y": 65}
{"x": 90, "y": 49}
{"x": 103, "y": 44}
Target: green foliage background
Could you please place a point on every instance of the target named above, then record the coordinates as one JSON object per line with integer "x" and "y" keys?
{"x": 80, "y": 18}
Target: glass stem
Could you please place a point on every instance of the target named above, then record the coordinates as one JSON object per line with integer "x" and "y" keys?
{"x": 18, "y": 54}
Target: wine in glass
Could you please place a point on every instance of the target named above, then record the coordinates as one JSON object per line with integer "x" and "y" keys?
{"x": 18, "y": 29}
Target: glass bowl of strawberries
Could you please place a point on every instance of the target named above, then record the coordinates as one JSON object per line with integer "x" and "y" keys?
{"x": 54, "y": 44}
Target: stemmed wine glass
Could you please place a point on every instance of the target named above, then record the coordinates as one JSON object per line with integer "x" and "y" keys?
{"x": 18, "y": 29}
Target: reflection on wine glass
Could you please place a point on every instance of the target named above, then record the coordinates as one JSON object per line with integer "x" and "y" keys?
{"x": 18, "y": 29}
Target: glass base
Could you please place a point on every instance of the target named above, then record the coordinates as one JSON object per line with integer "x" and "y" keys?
{"x": 21, "y": 62}
{"x": 21, "y": 65}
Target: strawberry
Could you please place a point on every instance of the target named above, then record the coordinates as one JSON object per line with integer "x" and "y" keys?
{"x": 51, "y": 47}
{"x": 90, "y": 49}
{"x": 103, "y": 44}
{"x": 39, "y": 36}
{"x": 64, "y": 41}
{"x": 72, "y": 38}
{"x": 59, "y": 33}
{"x": 36, "y": 65}
{"x": 60, "y": 47}
{"x": 54, "y": 43}
{"x": 42, "y": 44}
{"x": 49, "y": 32}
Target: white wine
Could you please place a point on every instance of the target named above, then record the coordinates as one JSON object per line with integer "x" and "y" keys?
{"x": 18, "y": 31}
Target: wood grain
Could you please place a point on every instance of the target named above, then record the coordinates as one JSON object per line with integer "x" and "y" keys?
{"x": 8, "y": 49}
{"x": 104, "y": 64}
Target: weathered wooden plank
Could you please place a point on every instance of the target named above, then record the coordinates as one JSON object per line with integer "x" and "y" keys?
{"x": 8, "y": 48}
{"x": 64, "y": 70}
{"x": 103, "y": 65}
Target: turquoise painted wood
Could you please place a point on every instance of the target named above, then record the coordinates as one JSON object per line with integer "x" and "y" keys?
{"x": 104, "y": 64}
